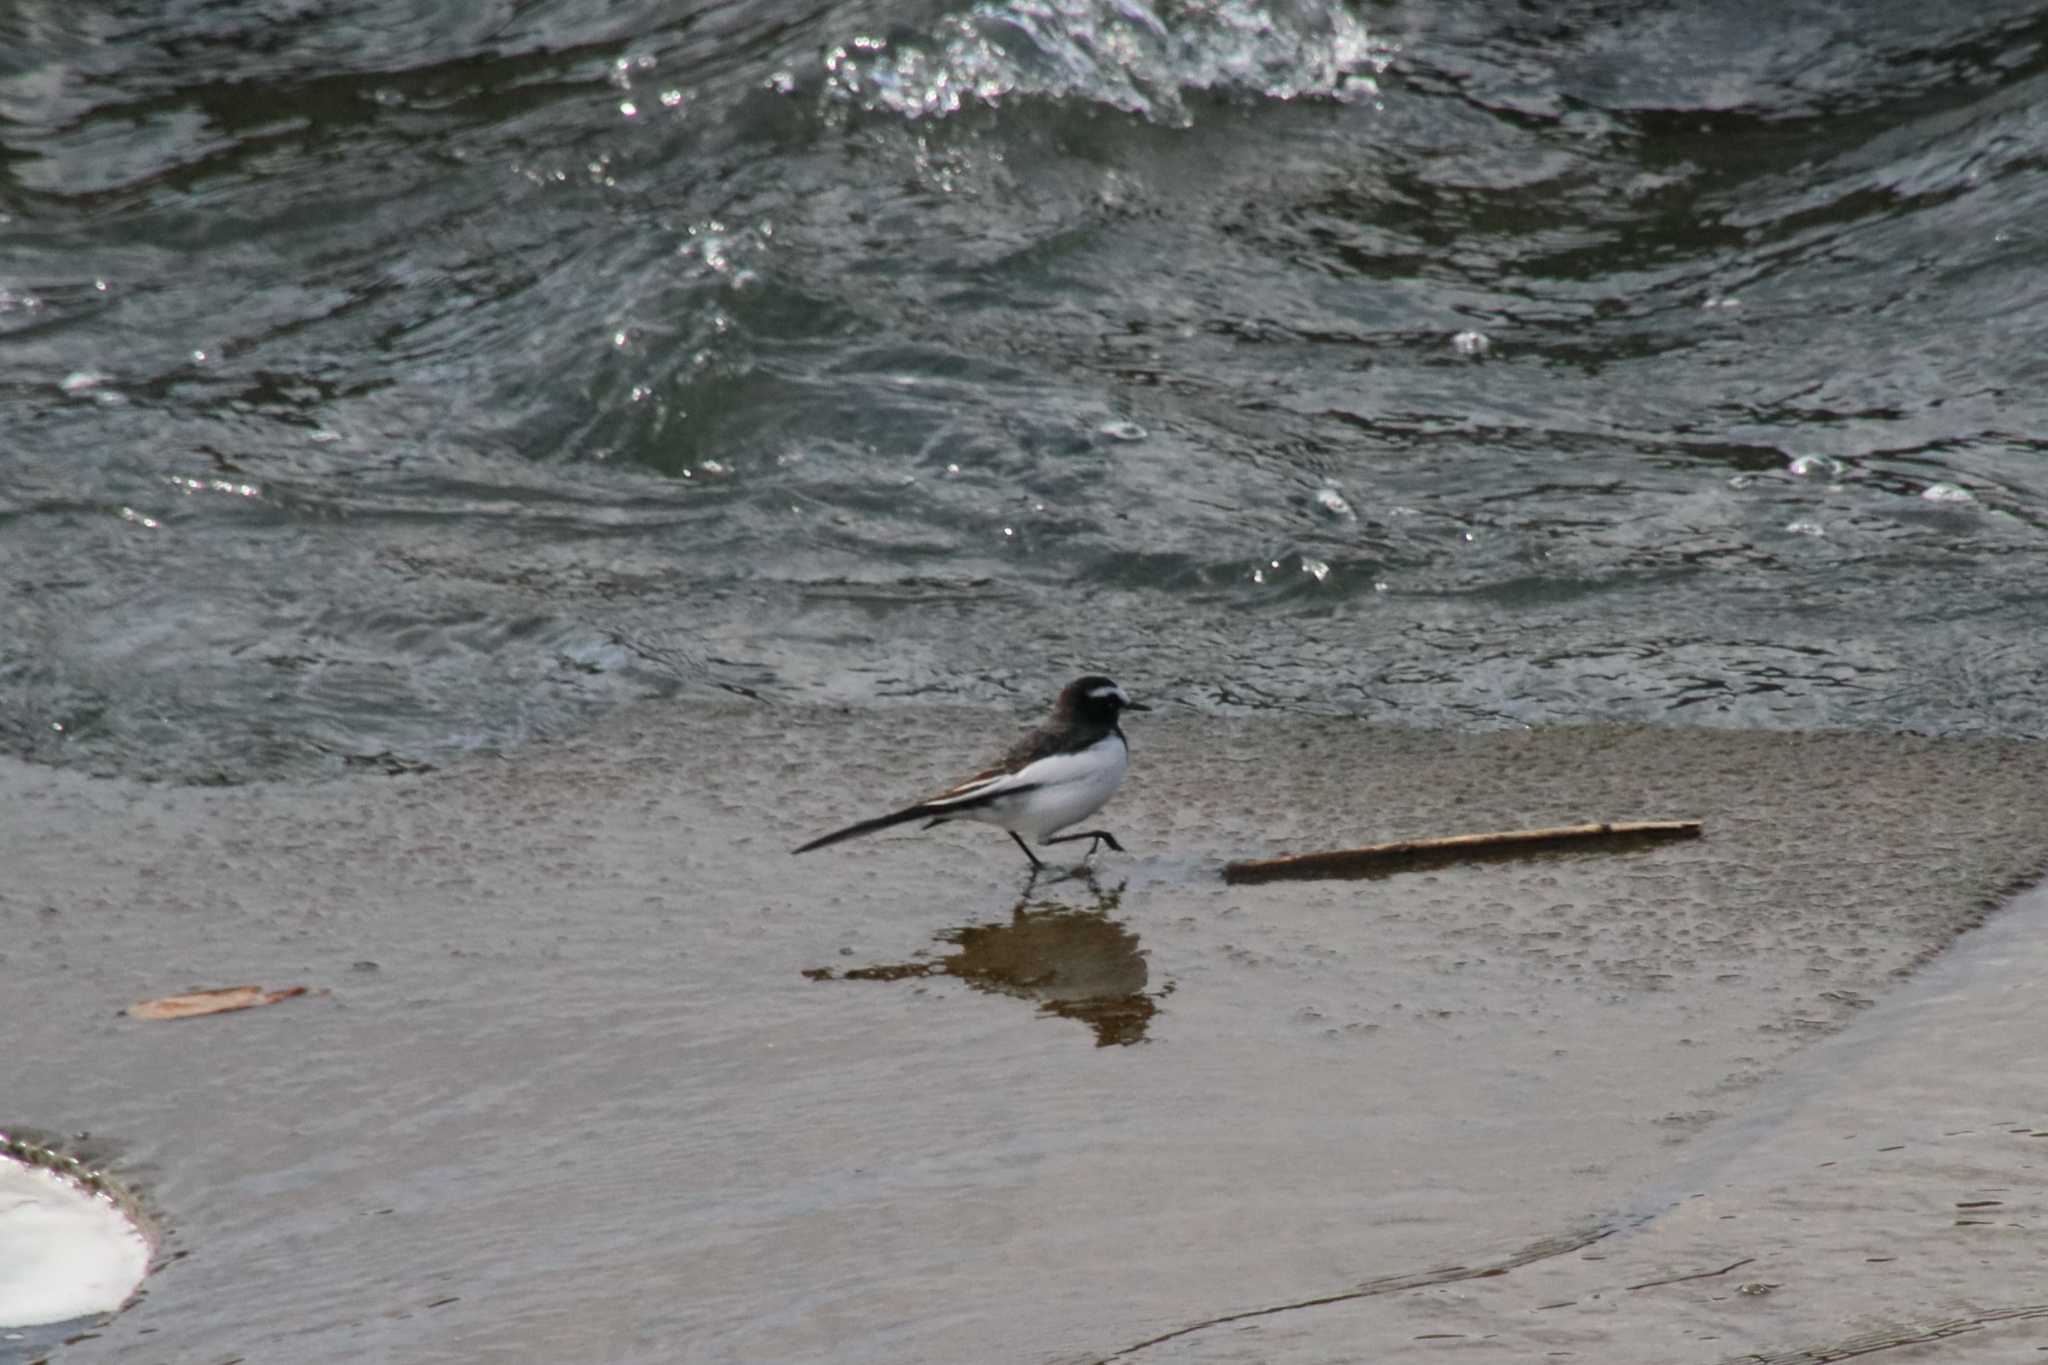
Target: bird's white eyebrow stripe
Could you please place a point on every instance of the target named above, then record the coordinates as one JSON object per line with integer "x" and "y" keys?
{"x": 1111, "y": 690}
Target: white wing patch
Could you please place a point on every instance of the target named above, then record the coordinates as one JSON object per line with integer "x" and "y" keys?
{"x": 1052, "y": 771}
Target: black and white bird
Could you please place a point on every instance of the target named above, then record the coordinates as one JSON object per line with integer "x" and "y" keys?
{"x": 1058, "y": 775}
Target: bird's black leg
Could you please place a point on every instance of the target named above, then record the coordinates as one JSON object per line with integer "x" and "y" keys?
{"x": 1100, "y": 835}
{"x": 1036, "y": 866}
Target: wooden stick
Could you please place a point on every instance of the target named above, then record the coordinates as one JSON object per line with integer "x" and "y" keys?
{"x": 1381, "y": 859}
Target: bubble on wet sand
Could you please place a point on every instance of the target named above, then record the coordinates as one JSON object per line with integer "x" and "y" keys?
{"x": 71, "y": 1249}
{"x": 1946, "y": 492}
{"x": 1331, "y": 499}
{"x": 1806, "y": 526}
{"x": 1471, "y": 343}
{"x": 1122, "y": 431}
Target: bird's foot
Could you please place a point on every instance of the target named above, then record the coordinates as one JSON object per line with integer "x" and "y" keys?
{"x": 1095, "y": 837}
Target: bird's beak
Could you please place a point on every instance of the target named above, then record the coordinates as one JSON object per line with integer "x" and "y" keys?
{"x": 1136, "y": 706}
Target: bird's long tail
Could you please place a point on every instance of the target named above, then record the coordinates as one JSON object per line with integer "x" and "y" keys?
{"x": 900, "y": 817}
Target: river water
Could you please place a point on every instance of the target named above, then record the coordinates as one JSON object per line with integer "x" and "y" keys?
{"x": 382, "y": 382}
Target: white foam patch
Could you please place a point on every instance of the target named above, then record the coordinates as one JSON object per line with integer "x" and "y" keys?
{"x": 65, "y": 1251}
{"x": 1135, "y": 55}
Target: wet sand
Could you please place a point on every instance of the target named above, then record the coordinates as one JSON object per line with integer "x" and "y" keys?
{"x": 601, "y": 1072}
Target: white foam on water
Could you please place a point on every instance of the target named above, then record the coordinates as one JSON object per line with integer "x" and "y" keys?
{"x": 1128, "y": 55}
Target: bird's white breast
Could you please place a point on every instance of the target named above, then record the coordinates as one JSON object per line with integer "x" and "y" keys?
{"x": 1062, "y": 790}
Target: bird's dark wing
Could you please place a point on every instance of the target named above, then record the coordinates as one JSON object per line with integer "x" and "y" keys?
{"x": 1047, "y": 740}
{"x": 1040, "y": 743}
{"x": 978, "y": 790}
{"x": 1001, "y": 780}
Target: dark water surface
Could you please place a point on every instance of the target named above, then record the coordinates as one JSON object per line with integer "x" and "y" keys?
{"x": 380, "y": 381}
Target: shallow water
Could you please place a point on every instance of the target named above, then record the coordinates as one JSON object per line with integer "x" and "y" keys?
{"x": 380, "y": 384}
{"x": 593, "y": 1069}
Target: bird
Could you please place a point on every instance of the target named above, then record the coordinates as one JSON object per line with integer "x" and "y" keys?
{"x": 1057, "y": 775}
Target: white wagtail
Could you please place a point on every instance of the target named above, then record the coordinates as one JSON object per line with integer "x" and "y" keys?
{"x": 1060, "y": 773}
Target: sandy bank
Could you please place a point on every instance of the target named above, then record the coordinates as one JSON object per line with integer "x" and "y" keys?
{"x": 570, "y": 1094}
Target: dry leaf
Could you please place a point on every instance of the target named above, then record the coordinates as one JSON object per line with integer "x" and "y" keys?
{"x": 210, "y": 1002}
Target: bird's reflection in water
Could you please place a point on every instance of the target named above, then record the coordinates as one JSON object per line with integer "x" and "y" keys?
{"x": 1077, "y": 962}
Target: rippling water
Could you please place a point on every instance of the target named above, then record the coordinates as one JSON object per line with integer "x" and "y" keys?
{"x": 381, "y": 381}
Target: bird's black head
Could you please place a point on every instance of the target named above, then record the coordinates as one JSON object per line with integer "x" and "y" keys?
{"x": 1096, "y": 700}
